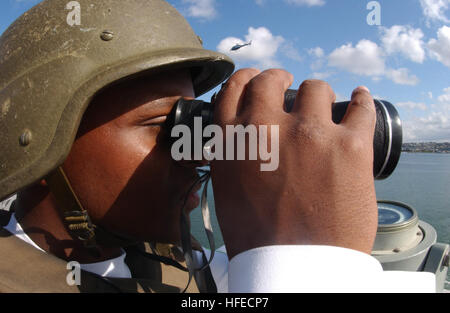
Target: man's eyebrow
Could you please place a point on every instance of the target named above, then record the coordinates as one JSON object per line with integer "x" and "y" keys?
{"x": 163, "y": 105}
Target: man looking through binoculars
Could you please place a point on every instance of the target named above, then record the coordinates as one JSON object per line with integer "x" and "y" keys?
{"x": 86, "y": 150}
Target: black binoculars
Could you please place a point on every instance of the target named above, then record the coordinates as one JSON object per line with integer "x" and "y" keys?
{"x": 388, "y": 137}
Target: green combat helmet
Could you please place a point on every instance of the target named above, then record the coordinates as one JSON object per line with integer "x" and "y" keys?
{"x": 50, "y": 70}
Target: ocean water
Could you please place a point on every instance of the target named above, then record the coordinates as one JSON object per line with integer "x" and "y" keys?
{"x": 421, "y": 180}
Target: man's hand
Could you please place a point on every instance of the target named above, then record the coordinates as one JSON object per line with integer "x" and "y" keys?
{"x": 323, "y": 190}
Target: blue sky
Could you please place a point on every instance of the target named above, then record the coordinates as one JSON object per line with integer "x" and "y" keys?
{"x": 405, "y": 60}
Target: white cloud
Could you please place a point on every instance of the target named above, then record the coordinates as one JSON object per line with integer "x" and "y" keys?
{"x": 445, "y": 98}
{"x": 434, "y": 127}
{"x": 412, "y": 105}
{"x": 262, "y": 52}
{"x": 368, "y": 59}
{"x": 434, "y": 10}
{"x": 440, "y": 47}
{"x": 321, "y": 75}
{"x": 319, "y": 58}
{"x": 308, "y": 3}
{"x": 404, "y": 40}
{"x": 402, "y": 77}
{"x": 365, "y": 59}
{"x": 204, "y": 9}
{"x": 316, "y": 52}
{"x": 288, "y": 49}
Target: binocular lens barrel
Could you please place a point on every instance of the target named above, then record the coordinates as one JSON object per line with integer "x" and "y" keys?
{"x": 388, "y": 136}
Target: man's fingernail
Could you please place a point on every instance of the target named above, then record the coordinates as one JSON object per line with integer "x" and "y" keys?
{"x": 362, "y": 88}
{"x": 359, "y": 89}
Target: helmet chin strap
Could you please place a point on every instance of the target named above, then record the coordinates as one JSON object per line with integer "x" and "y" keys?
{"x": 80, "y": 226}
{"x": 186, "y": 243}
{"x": 76, "y": 218}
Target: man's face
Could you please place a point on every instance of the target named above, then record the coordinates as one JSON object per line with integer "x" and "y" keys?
{"x": 120, "y": 165}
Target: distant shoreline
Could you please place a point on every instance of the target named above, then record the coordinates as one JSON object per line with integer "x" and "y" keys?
{"x": 438, "y": 152}
{"x": 426, "y": 147}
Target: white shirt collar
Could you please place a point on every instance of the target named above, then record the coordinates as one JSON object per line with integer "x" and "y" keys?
{"x": 116, "y": 267}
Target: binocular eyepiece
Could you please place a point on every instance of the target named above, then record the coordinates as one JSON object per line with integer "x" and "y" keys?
{"x": 387, "y": 142}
